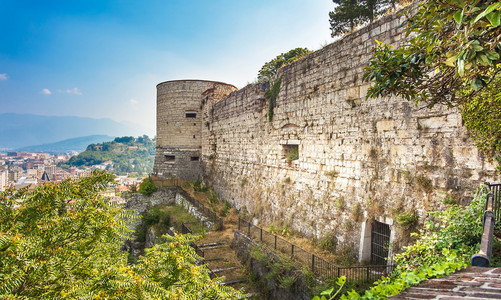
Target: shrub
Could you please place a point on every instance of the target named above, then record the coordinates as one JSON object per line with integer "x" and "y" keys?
{"x": 293, "y": 155}
{"x": 259, "y": 255}
{"x": 425, "y": 183}
{"x": 286, "y": 281}
{"x": 407, "y": 220}
{"x": 340, "y": 204}
{"x": 332, "y": 173}
{"x": 198, "y": 186}
{"x": 147, "y": 187}
{"x": 445, "y": 245}
{"x": 328, "y": 243}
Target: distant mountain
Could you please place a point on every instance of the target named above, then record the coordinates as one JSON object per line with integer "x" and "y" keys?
{"x": 76, "y": 144}
{"x": 21, "y": 130}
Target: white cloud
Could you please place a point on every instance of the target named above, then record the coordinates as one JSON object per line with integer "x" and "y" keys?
{"x": 3, "y": 76}
{"x": 74, "y": 91}
{"x": 133, "y": 101}
{"x": 46, "y": 92}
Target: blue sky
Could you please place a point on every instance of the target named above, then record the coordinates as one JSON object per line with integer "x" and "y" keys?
{"x": 103, "y": 59}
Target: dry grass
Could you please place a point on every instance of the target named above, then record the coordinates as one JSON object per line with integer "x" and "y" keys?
{"x": 231, "y": 224}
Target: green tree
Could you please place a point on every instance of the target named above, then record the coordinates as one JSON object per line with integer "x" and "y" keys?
{"x": 348, "y": 14}
{"x": 269, "y": 69}
{"x": 147, "y": 187}
{"x": 62, "y": 240}
{"x": 453, "y": 58}
{"x": 345, "y": 17}
{"x": 125, "y": 139}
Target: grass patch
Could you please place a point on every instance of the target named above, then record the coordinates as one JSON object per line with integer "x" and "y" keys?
{"x": 332, "y": 173}
{"x": 161, "y": 217}
{"x": 407, "y": 220}
{"x": 293, "y": 155}
{"x": 424, "y": 183}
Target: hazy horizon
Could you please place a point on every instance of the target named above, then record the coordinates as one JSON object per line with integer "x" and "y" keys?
{"x": 103, "y": 59}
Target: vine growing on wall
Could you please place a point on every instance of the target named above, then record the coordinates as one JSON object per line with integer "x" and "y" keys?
{"x": 271, "y": 95}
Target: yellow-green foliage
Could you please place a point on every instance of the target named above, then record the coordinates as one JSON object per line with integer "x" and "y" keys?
{"x": 62, "y": 240}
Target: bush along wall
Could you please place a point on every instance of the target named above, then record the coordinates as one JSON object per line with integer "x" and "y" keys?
{"x": 445, "y": 245}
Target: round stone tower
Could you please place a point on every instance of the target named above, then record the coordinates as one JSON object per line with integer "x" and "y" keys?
{"x": 179, "y": 127}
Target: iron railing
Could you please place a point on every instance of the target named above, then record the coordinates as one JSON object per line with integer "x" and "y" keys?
{"x": 495, "y": 190}
{"x": 320, "y": 267}
{"x": 483, "y": 257}
{"x": 195, "y": 227}
{"x": 207, "y": 212}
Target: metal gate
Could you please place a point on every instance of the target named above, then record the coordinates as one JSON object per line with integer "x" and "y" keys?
{"x": 380, "y": 241}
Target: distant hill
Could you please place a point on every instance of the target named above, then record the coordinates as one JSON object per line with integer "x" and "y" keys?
{"x": 126, "y": 154}
{"x": 76, "y": 144}
{"x": 22, "y": 130}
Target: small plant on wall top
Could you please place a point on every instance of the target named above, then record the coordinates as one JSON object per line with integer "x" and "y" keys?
{"x": 269, "y": 69}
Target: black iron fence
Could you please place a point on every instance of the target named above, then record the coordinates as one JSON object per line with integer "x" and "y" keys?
{"x": 195, "y": 227}
{"x": 320, "y": 267}
{"x": 198, "y": 250}
{"x": 217, "y": 222}
{"x": 491, "y": 214}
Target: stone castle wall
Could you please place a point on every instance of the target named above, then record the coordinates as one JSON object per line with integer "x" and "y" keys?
{"x": 359, "y": 160}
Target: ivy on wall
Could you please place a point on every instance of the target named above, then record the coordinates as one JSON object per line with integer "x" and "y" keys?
{"x": 271, "y": 95}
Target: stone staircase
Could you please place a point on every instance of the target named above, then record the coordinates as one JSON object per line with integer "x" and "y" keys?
{"x": 222, "y": 260}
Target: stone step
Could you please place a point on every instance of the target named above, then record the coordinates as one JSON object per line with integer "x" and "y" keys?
{"x": 224, "y": 269}
{"x": 210, "y": 245}
{"x": 235, "y": 281}
{"x": 215, "y": 247}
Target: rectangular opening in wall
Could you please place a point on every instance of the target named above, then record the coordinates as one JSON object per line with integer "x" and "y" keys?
{"x": 170, "y": 157}
{"x": 290, "y": 152}
{"x": 380, "y": 242}
{"x": 194, "y": 158}
{"x": 191, "y": 115}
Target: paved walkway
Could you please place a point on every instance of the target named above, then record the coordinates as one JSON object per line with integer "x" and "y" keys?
{"x": 471, "y": 283}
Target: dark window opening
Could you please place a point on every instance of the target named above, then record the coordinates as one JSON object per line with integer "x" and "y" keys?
{"x": 194, "y": 137}
{"x": 194, "y": 124}
{"x": 170, "y": 158}
{"x": 194, "y": 158}
{"x": 290, "y": 152}
{"x": 191, "y": 115}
